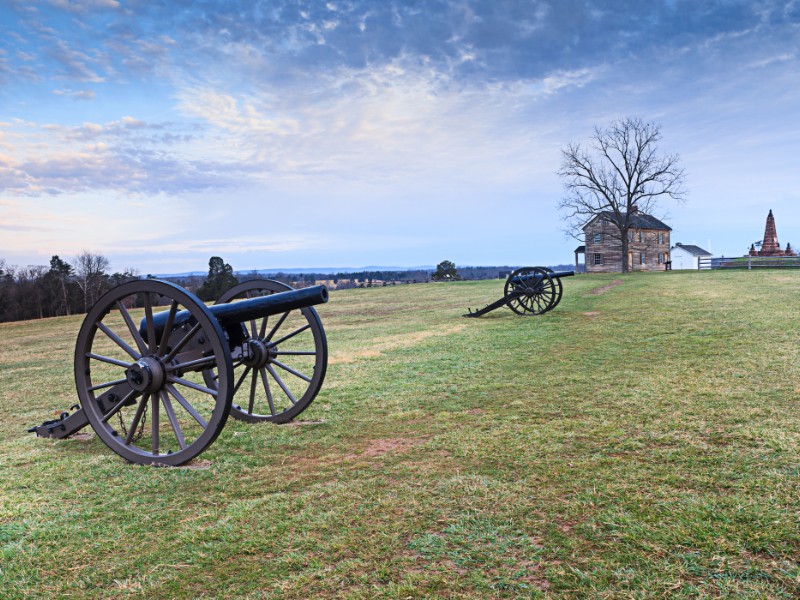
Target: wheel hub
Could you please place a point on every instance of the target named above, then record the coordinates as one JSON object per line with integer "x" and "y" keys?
{"x": 257, "y": 353}
{"x": 146, "y": 375}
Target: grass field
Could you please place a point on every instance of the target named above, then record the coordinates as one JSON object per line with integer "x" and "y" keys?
{"x": 641, "y": 440}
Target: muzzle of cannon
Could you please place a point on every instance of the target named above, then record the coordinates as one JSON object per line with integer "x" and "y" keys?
{"x": 529, "y": 291}
{"x": 159, "y": 392}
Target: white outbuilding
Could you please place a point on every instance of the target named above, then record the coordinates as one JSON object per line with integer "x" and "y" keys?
{"x": 686, "y": 256}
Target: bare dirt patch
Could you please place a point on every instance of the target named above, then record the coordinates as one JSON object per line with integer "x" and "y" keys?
{"x": 591, "y": 313}
{"x": 605, "y": 288}
{"x": 384, "y": 446}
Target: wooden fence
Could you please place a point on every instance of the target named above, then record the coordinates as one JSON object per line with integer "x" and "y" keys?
{"x": 748, "y": 262}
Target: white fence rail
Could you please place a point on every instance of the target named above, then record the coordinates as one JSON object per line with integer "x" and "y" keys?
{"x": 748, "y": 262}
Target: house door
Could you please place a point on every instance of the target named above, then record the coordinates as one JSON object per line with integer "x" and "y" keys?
{"x": 630, "y": 261}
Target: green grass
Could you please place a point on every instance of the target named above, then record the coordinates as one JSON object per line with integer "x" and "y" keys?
{"x": 636, "y": 443}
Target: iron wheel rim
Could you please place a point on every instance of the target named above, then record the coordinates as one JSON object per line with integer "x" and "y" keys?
{"x": 185, "y": 416}
{"x": 288, "y": 383}
{"x": 530, "y": 301}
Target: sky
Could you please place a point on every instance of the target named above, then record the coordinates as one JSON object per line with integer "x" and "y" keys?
{"x": 351, "y": 133}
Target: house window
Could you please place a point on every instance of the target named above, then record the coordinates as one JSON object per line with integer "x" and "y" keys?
{"x": 641, "y": 237}
{"x": 598, "y": 259}
{"x": 630, "y": 236}
{"x": 641, "y": 258}
{"x": 660, "y": 238}
{"x": 598, "y": 238}
{"x": 660, "y": 258}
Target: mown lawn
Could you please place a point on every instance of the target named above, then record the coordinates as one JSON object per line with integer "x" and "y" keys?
{"x": 640, "y": 441}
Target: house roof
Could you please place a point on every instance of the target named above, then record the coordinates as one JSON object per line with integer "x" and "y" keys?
{"x": 692, "y": 249}
{"x": 638, "y": 221}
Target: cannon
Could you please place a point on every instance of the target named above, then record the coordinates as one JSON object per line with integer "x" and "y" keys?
{"x": 528, "y": 291}
{"x": 259, "y": 354}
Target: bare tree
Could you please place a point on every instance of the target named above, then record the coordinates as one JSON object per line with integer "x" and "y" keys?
{"x": 90, "y": 271}
{"x": 620, "y": 175}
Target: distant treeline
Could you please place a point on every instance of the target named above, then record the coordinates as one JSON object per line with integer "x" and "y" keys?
{"x": 68, "y": 288}
{"x": 343, "y": 280}
{"x": 63, "y": 288}
{"x": 357, "y": 278}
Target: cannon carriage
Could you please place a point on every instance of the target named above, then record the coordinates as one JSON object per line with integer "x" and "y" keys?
{"x": 159, "y": 391}
{"x": 528, "y": 291}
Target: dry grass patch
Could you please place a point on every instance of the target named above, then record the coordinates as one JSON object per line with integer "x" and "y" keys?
{"x": 376, "y": 347}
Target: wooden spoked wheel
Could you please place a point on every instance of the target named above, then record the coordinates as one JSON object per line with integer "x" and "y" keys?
{"x": 280, "y": 366}
{"x": 559, "y": 287}
{"x": 140, "y": 381}
{"x": 531, "y": 291}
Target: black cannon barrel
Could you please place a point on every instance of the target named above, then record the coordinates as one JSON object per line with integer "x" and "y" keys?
{"x": 539, "y": 276}
{"x": 245, "y": 310}
{"x": 562, "y": 274}
{"x": 553, "y": 274}
{"x": 272, "y": 304}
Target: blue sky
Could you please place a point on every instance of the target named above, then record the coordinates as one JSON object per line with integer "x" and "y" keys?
{"x": 347, "y": 133}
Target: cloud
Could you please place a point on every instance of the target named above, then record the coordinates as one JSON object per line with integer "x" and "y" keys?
{"x": 238, "y": 243}
{"x": 76, "y": 94}
{"x": 82, "y": 6}
{"x": 20, "y": 217}
{"x": 781, "y": 57}
{"x": 77, "y": 65}
{"x": 388, "y": 122}
{"x": 283, "y": 42}
{"x": 129, "y": 156}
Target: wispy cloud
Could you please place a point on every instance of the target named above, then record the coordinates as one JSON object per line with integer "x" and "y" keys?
{"x": 76, "y": 94}
{"x": 83, "y": 6}
{"x": 128, "y": 156}
{"x": 395, "y": 120}
{"x": 286, "y": 121}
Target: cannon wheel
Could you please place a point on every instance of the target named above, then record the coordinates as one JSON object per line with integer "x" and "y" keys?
{"x": 143, "y": 393}
{"x": 559, "y": 287}
{"x": 293, "y": 352}
{"x": 531, "y": 298}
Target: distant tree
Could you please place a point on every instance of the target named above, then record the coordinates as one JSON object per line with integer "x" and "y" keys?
{"x": 90, "y": 271}
{"x": 219, "y": 280}
{"x": 59, "y": 282}
{"x": 445, "y": 271}
{"x": 128, "y": 274}
{"x": 621, "y": 174}
{"x": 8, "y": 292}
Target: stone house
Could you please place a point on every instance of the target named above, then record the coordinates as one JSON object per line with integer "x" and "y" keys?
{"x": 648, "y": 244}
